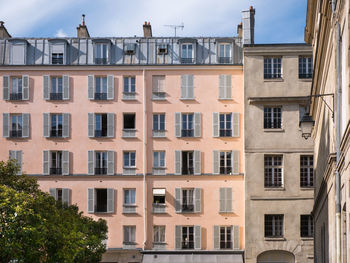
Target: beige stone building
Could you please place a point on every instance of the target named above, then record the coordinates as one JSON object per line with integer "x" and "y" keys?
{"x": 327, "y": 29}
{"x": 278, "y": 161}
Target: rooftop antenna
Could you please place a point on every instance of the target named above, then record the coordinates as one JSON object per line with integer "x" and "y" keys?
{"x": 175, "y": 27}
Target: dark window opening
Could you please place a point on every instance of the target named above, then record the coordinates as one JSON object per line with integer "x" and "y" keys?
{"x": 59, "y": 194}
{"x": 187, "y": 237}
{"x": 101, "y": 125}
{"x": 159, "y": 199}
{"x": 101, "y": 200}
{"x": 56, "y": 163}
{"x": 57, "y": 58}
{"x": 187, "y": 200}
{"x": 225, "y": 237}
{"x": 187, "y": 162}
{"x": 273, "y": 225}
{"x": 129, "y": 121}
{"x": 306, "y": 226}
{"x": 100, "y": 162}
{"x": 56, "y": 125}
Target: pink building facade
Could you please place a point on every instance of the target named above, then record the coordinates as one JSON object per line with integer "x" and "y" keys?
{"x": 146, "y": 133}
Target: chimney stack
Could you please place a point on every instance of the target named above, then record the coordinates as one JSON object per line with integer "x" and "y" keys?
{"x": 82, "y": 31}
{"x": 239, "y": 30}
{"x": 248, "y": 20}
{"x": 147, "y": 29}
{"x": 3, "y": 31}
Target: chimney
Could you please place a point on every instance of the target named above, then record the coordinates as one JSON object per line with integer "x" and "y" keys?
{"x": 82, "y": 31}
{"x": 3, "y": 31}
{"x": 147, "y": 29}
{"x": 239, "y": 30}
{"x": 248, "y": 20}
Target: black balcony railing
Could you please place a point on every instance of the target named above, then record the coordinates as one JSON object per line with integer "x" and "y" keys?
{"x": 226, "y": 244}
{"x": 187, "y": 170}
{"x": 305, "y": 75}
{"x": 16, "y": 133}
{"x": 57, "y": 60}
{"x": 225, "y": 133}
{"x": 55, "y": 171}
{"x": 101, "y": 133}
{"x": 187, "y": 244}
{"x": 56, "y": 133}
{"x": 187, "y": 60}
{"x": 100, "y": 96}
{"x": 187, "y": 208}
{"x": 225, "y": 170}
{"x": 225, "y": 60}
{"x": 100, "y": 61}
{"x": 100, "y": 170}
{"x": 187, "y": 133}
{"x": 56, "y": 96}
{"x": 16, "y": 96}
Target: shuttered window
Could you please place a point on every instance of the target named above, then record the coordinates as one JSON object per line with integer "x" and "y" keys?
{"x": 188, "y": 124}
{"x": 56, "y": 163}
{"x": 101, "y": 200}
{"x": 61, "y": 194}
{"x": 187, "y": 88}
{"x": 101, "y": 87}
{"x": 15, "y": 125}
{"x": 225, "y": 124}
{"x": 17, "y": 157}
{"x": 225, "y": 203}
{"x": 15, "y": 87}
{"x": 188, "y": 237}
{"x": 188, "y": 200}
{"x": 56, "y": 125}
{"x": 226, "y": 237}
{"x": 158, "y": 87}
{"x": 225, "y": 87}
{"x": 56, "y": 87}
{"x": 101, "y": 125}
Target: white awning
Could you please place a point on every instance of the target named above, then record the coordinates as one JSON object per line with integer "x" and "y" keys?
{"x": 159, "y": 191}
{"x": 192, "y": 258}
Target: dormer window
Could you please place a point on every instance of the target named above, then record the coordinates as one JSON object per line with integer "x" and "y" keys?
{"x": 224, "y": 56}
{"x": 187, "y": 53}
{"x": 58, "y": 51}
{"x": 162, "y": 49}
{"x": 18, "y": 52}
{"x": 130, "y": 49}
{"x": 101, "y": 52}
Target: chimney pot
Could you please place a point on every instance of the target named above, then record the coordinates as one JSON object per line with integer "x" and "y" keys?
{"x": 82, "y": 31}
{"x": 147, "y": 29}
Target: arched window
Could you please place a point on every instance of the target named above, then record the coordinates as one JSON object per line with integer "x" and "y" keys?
{"x": 276, "y": 256}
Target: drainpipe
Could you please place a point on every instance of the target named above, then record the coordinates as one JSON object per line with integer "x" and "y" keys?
{"x": 144, "y": 160}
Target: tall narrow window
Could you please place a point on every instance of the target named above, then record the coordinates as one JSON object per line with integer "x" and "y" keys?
{"x": 187, "y": 53}
{"x": 274, "y": 226}
{"x": 305, "y": 67}
{"x": 16, "y": 88}
{"x": 225, "y": 53}
{"x": 129, "y": 234}
{"x": 187, "y": 237}
{"x": 56, "y": 125}
{"x": 272, "y": 117}
{"x": 226, "y": 125}
{"x": 272, "y": 68}
{"x": 129, "y": 205}
{"x": 56, "y": 92}
{"x": 129, "y": 159}
{"x": 101, "y": 53}
{"x": 100, "y": 162}
{"x": 306, "y": 226}
{"x": 187, "y": 200}
{"x": 129, "y": 125}
{"x": 273, "y": 171}
{"x": 158, "y": 122}
{"x": 159, "y": 234}
{"x": 101, "y": 200}
{"x": 225, "y": 162}
{"x": 187, "y": 162}
{"x": 101, "y": 125}
{"x": 129, "y": 90}
{"x": 16, "y": 126}
{"x": 187, "y": 125}
{"x": 158, "y": 87}
{"x": 306, "y": 171}
{"x": 159, "y": 159}
{"x": 100, "y": 88}
{"x": 56, "y": 163}
{"x": 226, "y": 237}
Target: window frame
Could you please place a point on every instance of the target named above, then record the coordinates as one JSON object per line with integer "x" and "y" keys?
{"x": 277, "y": 225}
{"x": 275, "y": 170}
{"x": 185, "y": 58}
{"x": 131, "y": 234}
{"x": 188, "y": 123}
{"x": 228, "y": 244}
{"x": 159, "y": 159}
{"x": 56, "y": 162}
{"x": 128, "y": 86}
{"x": 158, "y": 122}
{"x": 226, "y": 169}
{"x": 188, "y": 167}
{"x": 56, "y": 131}
{"x": 16, "y": 91}
{"x": 101, "y": 88}
{"x": 101, "y": 51}
{"x": 16, "y": 125}
{"x": 131, "y": 161}
{"x": 306, "y": 171}
{"x": 226, "y": 131}
{"x": 305, "y": 67}
{"x": 273, "y": 68}
{"x": 309, "y": 232}
{"x": 224, "y": 59}
{"x": 188, "y": 200}
{"x": 101, "y": 162}
{"x": 129, "y": 195}
{"x": 159, "y": 234}
{"x": 272, "y": 117}
{"x": 186, "y": 234}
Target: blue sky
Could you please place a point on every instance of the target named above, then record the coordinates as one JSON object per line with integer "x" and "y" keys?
{"x": 276, "y": 21}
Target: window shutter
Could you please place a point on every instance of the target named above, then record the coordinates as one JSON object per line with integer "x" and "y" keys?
{"x": 53, "y": 193}
{"x": 5, "y": 125}
{"x": 110, "y": 125}
{"x": 12, "y": 155}
{"x": 178, "y": 237}
{"x": 110, "y": 200}
{"x": 46, "y": 162}
{"x": 197, "y": 162}
{"x": 228, "y": 200}
{"x": 235, "y": 162}
{"x": 177, "y": 124}
{"x": 66, "y": 89}
{"x": 19, "y": 161}
{"x": 91, "y": 125}
{"x": 65, "y": 162}
{"x": 178, "y": 200}
{"x": 65, "y": 132}
{"x": 66, "y": 196}
{"x": 197, "y": 237}
{"x": 110, "y": 87}
{"x": 178, "y": 162}
{"x": 221, "y": 86}
{"x": 216, "y": 160}
{"x": 216, "y": 124}
{"x": 91, "y": 200}
{"x": 46, "y": 124}
{"x": 197, "y": 124}
{"x": 110, "y": 162}
{"x": 184, "y": 86}
{"x": 46, "y": 87}
{"x": 190, "y": 87}
{"x": 91, "y": 87}
{"x": 235, "y": 124}
{"x": 25, "y": 87}
{"x": 25, "y": 119}
{"x": 222, "y": 200}
{"x": 6, "y": 87}
{"x": 228, "y": 87}
{"x": 236, "y": 237}
{"x": 197, "y": 200}
{"x": 91, "y": 162}
{"x": 216, "y": 237}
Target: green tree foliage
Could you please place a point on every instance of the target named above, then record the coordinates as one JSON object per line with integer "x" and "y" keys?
{"x": 36, "y": 228}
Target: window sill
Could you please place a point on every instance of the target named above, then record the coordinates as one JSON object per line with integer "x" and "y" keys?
{"x": 274, "y": 80}
{"x": 224, "y": 212}
{"x": 305, "y": 79}
{"x": 307, "y": 188}
{"x": 187, "y": 99}
{"x": 156, "y": 99}
{"x": 275, "y": 189}
{"x": 307, "y": 238}
{"x": 274, "y": 130}
{"x": 131, "y": 99}
{"x": 225, "y": 99}
{"x": 274, "y": 239}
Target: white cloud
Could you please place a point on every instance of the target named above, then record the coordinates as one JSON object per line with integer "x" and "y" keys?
{"x": 60, "y": 33}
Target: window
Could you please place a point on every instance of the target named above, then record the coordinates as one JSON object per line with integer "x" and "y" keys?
{"x": 187, "y": 162}
{"x": 187, "y": 125}
{"x": 100, "y": 163}
{"x": 306, "y": 226}
{"x": 56, "y": 92}
{"x": 225, "y": 87}
{"x": 56, "y": 125}
{"x": 225, "y": 162}
{"x": 101, "y": 53}
{"x": 57, "y": 58}
{"x": 159, "y": 234}
{"x": 272, "y": 117}
{"x": 16, "y": 156}
{"x": 16, "y": 126}
{"x": 163, "y": 49}
{"x": 100, "y": 88}
{"x": 56, "y": 87}
{"x": 129, "y": 159}
{"x": 225, "y": 237}
{"x": 18, "y": 52}
{"x": 273, "y": 225}
{"x": 158, "y": 87}
{"x": 225, "y": 200}
{"x": 129, "y": 234}
{"x": 187, "y": 200}
{"x": 159, "y": 159}
{"x": 272, "y": 68}
{"x": 101, "y": 200}
{"x": 61, "y": 194}
{"x": 305, "y": 67}
{"x": 129, "y": 128}
{"x": 187, "y": 241}
{"x": 273, "y": 171}
{"x": 129, "y": 90}
{"x": 16, "y": 92}
{"x": 187, "y": 54}
{"x": 306, "y": 171}
{"x": 130, "y": 49}
{"x": 101, "y": 125}
{"x": 225, "y": 125}
{"x": 187, "y": 87}
{"x": 158, "y": 125}
{"x": 56, "y": 163}
{"x": 225, "y": 53}
{"x": 158, "y": 200}
{"x": 129, "y": 205}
